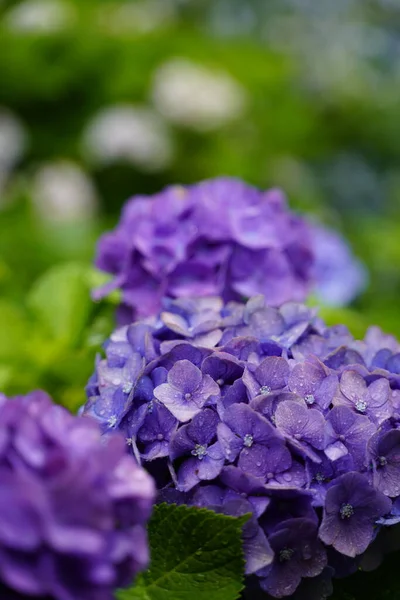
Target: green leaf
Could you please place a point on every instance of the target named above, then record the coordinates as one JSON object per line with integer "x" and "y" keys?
{"x": 196, "y": 554}
{"x": 13, "y": 331}
{"x": 60, "y": 301}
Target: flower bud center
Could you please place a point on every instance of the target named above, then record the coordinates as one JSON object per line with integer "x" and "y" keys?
{"x": 248, "y": 440}
{"x": 346, "y": 511}
{"x": 382, "y": 461}
{"x": 286, "y": 554}
{"x": 265, "y": 389}
{"x": 200, "y": 451}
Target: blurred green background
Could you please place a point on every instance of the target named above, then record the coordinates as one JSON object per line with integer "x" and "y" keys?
{"x": 100, "y": 100}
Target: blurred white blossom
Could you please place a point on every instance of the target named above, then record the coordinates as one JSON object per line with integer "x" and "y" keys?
{"x": 39, "y": 16}
{"x": 12, "y": 140}
{"x": 196, "y": 97}
{"x": 63, "y": 192}
{"x": 133, "y": 134}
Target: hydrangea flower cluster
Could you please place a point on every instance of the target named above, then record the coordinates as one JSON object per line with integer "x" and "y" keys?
{"x": 247, "y": 408}
{"x": 219, "y": 237}
{"x": 73, "y": 505}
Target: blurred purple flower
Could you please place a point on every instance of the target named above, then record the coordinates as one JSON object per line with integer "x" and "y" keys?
{"x": 217, "y": 237}
{"x": 339, "y": 276}
{"x": 73, "y": 505}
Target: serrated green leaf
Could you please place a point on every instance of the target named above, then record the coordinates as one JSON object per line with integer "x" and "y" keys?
{"x": 60, "y": 301}
{"x": 196, "y": 554}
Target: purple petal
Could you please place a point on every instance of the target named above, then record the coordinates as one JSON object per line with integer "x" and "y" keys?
{"x": 185, "y": 376}
{"x": 305, "y": 379}
{"x": 231, "y": 444}
{"x": 302, "y": 424}
{"x": 273, "y": 372}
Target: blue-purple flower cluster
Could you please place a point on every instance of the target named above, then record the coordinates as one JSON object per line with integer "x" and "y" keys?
{"x": 73, "y": 505}
{"x": 221, "y": 237}
{"x": 247, "y": 408}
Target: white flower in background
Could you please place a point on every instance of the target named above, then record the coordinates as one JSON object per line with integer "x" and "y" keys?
{"x": 196, "y": 97}
{"x": 39, "y": 16}
{"x": 128, "y": 133}
{"x": 62, "y": 192}
{"x": 12, "y": 140}
{"x": 138, "y": 17}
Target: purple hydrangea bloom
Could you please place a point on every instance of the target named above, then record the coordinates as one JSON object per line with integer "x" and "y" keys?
{"x": 298, "y": 553}
{"x": 352, "y": 508}
{"x": 187, "y": 390}
{"x": 348, "y": 433}
{"x": 373, "y": 400}
{"x": 73, "y": 505}
{"x": 249, "y": 407}
{"x": 256, "y": 547}
{"x": 384, "y": 453}
{"x": 200, "y": 454}
{"x": 220, "y": 237}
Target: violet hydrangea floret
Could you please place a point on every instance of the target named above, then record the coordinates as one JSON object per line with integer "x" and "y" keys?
{"x": 246, "y": 406}
{"x": 74, "y": 505}
{"x": 221, "y": 237}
